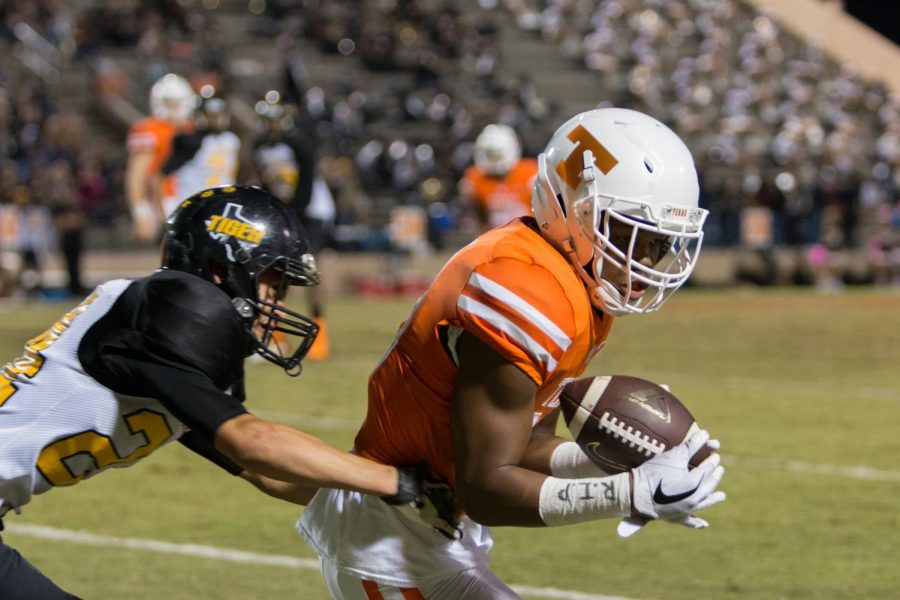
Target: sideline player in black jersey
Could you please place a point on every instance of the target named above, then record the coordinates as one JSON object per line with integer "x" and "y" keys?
{"x": 144, "y": 362}
{"x": 206, "y": 157}
{"x": 285, "y": 159}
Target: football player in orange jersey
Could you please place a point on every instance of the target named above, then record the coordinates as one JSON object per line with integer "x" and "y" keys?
{"x": 172, "y": 101}
{"x": 499, "y": 183}
{"x": 470, "y": 384}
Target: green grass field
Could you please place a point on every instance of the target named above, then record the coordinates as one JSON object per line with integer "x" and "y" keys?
{"x": 803, "y": 390}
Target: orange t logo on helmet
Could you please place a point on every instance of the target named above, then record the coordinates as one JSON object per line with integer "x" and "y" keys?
{"x": 570, "y": 169}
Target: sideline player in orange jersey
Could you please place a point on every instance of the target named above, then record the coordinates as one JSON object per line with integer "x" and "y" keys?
{"x": 470, "y": 384}
{"x": 499, "y": 183}
{"x": 172, "y": 101}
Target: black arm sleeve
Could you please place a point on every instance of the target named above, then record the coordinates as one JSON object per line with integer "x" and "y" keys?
{"x": 306, "y": 165}
{"x": 202, "y": 446}
{"x": 184, "y": 148}
{"x": 173, "y": 337}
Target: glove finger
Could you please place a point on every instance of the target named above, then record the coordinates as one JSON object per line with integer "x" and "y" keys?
{"x": 630, "y": 525}
{"x": 713, "y": 480}
{"x": 710, "y": 500}
{"x": 703, "y": 477}
{"x": 451, "y": 533}
{"x": 692, "y": 522}
{"x": 707, "y": 469}
{"x": 696, "y": 441}
{"x": 712, "y": 476}
{"x": 713, "y": 444}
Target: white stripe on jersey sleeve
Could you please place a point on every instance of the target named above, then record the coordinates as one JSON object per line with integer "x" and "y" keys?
{"x": 524, "y": 340}
{"x": 539, "y": 319}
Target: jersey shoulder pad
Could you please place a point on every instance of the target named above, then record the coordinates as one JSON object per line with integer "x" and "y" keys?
{"x": 191, "y": 321}
{"x": 522, "y": 310}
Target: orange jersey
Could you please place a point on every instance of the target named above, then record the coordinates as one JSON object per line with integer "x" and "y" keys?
{"x": 502, "y": 198}
{"x": 516, "y": 293}
{"x": 155, "y": 135}
{"x": 152, "y": 135}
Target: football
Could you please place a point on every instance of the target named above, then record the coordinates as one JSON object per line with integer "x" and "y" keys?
{"x": 621, "y": 421}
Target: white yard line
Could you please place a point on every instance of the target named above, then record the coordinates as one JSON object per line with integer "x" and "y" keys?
{"x": 108, "y": 541}
{"x": 797, "y": 466}
{"x": 239, "y": 556}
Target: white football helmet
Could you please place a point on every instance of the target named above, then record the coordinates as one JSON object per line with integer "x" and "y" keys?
{"x": 614, "y": 165}
{"x": 497, "y": 149}
{"x": 172, "y": 99}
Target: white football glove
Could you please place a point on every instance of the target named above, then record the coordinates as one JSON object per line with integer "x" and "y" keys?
{"x": 666, "y": 488}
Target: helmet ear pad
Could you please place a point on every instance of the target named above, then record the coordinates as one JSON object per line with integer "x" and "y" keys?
{"x": 550, "y": 211}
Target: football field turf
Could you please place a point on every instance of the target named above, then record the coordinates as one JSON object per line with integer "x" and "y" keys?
{"x": 803, "y": 390}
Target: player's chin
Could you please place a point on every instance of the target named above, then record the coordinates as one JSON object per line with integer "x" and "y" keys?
{"x": 635, "y": 293}
{"x": 259, "y": 328}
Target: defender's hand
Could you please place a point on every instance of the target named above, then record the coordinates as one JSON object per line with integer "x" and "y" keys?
{"x": 430, "y": 498}
{"x": 408, "y": 487}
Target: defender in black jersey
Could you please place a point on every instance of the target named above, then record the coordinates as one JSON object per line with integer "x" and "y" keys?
{"x": 140, "y": 363}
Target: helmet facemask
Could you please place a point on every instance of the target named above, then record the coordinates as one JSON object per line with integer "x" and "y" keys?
{"x": 253, "y": 248}
{"x": 629, "y": 280}
{"x": 278, "y": 334}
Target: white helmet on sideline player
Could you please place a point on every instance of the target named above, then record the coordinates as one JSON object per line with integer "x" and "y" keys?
{"x": 619, "y": 169}
{"x": 497, "y": 149}
{"x": 172, "y": 99}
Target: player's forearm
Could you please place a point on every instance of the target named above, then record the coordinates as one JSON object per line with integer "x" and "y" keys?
{"x": 143, "y": 189}
{"x": 136, "y": 188}
{"x": 289, "y": 455}
{"x": 508, "y": 495}
{"x": 291, "y": 492}
{"x": 539, "y": 454}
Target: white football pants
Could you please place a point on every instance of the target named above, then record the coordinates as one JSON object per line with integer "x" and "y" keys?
{"x": 475, "y": 584}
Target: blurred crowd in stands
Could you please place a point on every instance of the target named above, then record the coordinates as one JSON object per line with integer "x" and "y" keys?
{"x": 793, "y": 149}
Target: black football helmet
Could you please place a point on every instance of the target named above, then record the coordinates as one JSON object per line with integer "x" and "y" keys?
{"x": 231, "y": 236}
{"x": 212, "y": 115}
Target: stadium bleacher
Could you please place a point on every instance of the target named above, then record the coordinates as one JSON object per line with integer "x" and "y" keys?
{"x": 778, "y": 124}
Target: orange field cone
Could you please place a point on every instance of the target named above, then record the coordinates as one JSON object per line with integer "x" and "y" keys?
{"x": 320, "y": 349}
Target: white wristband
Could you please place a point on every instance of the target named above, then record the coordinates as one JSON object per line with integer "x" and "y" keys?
{"x": 570, "y": 462}
{"x": 570, "y": 501}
